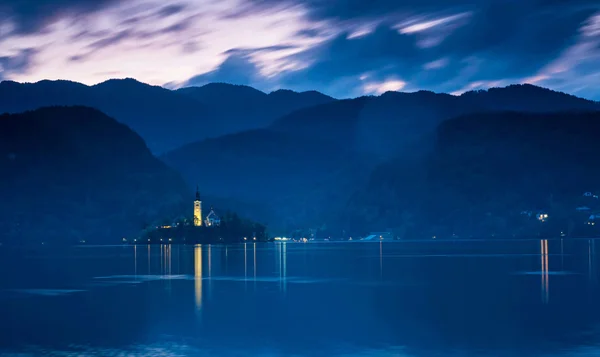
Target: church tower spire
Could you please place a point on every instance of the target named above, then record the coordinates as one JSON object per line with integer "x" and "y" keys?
{"x": 197, "y": 209}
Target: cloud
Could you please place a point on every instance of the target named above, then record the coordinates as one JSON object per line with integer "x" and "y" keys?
{"x": 420, "y": 26}
{"x": 439, "y": 63}
{"x": 385, "y": 86}
{"x": 156, "y": 41}
{"x": 309, "y": 44}
{"x": 33, "y": 16}
{"x": 111, "y": 40}
{"x": 236, "y": 69}
{"x": 18, "y": 63}
{"x": 170, "y": 10}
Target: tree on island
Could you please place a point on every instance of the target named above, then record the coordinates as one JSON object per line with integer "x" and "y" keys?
{"x": 232, "y": 229}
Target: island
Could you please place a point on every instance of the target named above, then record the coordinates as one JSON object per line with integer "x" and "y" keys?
{"x": 200, "y": 229}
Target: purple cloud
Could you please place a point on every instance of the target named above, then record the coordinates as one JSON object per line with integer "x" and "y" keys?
{"x": 342, "y": 47}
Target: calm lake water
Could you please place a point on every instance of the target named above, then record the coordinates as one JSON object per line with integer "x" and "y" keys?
{"x": 406, "y": 299}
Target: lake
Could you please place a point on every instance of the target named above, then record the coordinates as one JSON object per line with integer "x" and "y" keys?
{"x": 406, "y": 299}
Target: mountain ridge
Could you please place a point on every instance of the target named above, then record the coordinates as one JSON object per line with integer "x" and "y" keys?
{"x": 165, "y": 118}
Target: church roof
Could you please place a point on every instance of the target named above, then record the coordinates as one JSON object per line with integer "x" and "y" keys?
{"x": 212, "y": 215}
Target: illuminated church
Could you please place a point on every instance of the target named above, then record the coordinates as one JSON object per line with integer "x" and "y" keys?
{"x": 211, "y": 220}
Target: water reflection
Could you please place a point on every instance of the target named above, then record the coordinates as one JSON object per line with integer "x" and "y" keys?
{"x": 209, "y": 261}
{"x": 380, "y": 259}
{"x": 198, "y": 275}
{"x": 562, "y": 254}
{"x": 592, "y": 260}
{"x": 380, "y": 313}
{"x": 283, "y": 266}
{"x": 223, "y": 260}
{"x": 544, "y": 270}
{"x": 165, "y": 252}
{"x": 209, "y": 271}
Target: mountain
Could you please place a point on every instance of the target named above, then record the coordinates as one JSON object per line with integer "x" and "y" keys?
{"x": 270, "y": 176}
{"x": 248, "y": 108}
{"x": 213, "y": 93}
{"x": 336, "y": 144}
{"x": 527, "y": 98}
{"x": 165, "y": 119}
{"x": 400, "y": 122}
{"x": 485, "y": 172}
{"x": 73, "y": 173}
{"x": 292, "y": 100}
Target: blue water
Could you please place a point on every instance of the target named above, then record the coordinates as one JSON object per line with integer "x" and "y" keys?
{"x": 407, "y": 299}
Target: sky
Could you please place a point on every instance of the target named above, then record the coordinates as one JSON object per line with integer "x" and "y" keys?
{"x": 344, "y": 48}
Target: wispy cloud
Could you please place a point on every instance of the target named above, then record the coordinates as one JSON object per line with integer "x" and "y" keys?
{"x": 306, "y": 44}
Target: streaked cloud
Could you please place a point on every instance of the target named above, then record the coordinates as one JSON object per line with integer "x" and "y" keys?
{"x": 419, "y": 26}
{"x": 385, "y": 86}
{"x": 439, "y": 63}
{"x": 342, "y": 47}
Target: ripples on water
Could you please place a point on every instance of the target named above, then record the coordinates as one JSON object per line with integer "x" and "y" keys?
{"x": 406, "y": 299}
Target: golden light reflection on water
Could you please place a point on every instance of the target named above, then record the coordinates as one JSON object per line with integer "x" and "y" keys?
{"x": 544, "y": 270}
{"x": 198, "y": 276}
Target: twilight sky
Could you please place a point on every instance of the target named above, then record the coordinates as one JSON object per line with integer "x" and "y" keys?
{"x": 344, "y": 48}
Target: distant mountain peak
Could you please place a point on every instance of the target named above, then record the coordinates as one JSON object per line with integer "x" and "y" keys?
{"x": 530, "y": 88}
{"x": 7, "y": 82}
{"x": 283, "y": 90}
{"x": 43, "y": 82}
{"x": 211, "y": 91}
{"x": 125, "y": 82}
{"x": 122, "y": 80}
{"x": 309, "y": 93}
{"x": 419, "y": 93}
{"x": 226, "y": 85}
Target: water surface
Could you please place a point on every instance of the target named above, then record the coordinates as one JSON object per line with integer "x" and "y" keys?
{"x": 406, "y": 299}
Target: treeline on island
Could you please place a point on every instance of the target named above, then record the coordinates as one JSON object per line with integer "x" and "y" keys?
{"x": 232, "y": 229}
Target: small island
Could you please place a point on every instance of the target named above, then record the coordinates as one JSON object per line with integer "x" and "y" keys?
{"x": 200, "y": 229}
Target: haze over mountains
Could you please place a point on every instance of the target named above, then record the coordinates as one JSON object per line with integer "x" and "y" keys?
{"x": 298, "y": 160}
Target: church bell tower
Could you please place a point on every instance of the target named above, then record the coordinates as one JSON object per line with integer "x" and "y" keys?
{"x": 197, "y": 209}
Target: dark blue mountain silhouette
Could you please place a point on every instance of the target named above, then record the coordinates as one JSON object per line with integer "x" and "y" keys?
{"x": 165, "y": 119}
{"x": 257, "y": 167}
{"x": 73, "y": 173}
{"x": 484, "y": 172}
{"x": 242, "y": 107}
